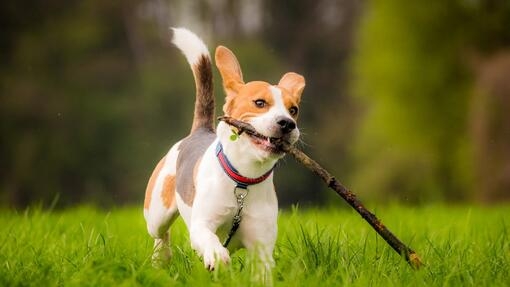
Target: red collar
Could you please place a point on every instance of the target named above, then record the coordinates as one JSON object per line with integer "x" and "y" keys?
{"x": 241, "y": 181}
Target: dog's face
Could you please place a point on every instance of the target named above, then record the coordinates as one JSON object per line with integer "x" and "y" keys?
{"x": 271, "y": 109}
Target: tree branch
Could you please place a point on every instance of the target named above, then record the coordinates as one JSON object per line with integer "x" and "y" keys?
{"x": 411, "y": 257}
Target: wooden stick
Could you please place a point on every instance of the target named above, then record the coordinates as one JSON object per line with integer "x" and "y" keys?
{"x": 411, "y": 257}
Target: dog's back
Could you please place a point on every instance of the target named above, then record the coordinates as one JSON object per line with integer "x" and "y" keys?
{"x": 202, "y": 134}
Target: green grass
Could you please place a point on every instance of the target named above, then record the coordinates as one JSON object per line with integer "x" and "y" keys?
{"x": 460, "y": 245}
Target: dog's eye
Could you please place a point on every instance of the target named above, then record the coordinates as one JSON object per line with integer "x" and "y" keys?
{"x": 293, "y": 111}
{"x": 260, "y": 103}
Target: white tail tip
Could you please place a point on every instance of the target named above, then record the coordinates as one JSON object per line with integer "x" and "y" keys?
{"x": 190, "y": 44}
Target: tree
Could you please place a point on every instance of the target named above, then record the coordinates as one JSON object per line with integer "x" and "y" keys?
{"x": 413, "y": 76}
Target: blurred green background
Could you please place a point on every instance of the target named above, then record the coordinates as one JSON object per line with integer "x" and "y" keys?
{"x": 405, "y": 100}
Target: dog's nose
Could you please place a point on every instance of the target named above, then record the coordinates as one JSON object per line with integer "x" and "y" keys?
{"x": 286, "y": 125}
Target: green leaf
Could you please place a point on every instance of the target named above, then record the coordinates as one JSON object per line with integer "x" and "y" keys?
{"x": 234, "y": 136}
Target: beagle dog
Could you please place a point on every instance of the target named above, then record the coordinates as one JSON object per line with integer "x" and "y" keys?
{"x": 215, "y": 178}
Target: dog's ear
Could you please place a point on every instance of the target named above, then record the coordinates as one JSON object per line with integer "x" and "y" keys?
{"x": 230, "y": 70}
{"x": 294, "y": 83}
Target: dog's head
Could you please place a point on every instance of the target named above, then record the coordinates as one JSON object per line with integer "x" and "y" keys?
{"x": 271, "y": 109}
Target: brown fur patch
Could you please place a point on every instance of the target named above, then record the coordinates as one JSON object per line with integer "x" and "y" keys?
{"x": 152, "y": 182}
{"x": 294, "y": 83}
{"x": 204, "y": 103}
{"x": 290, "y": 101}
{"x": 242, "y": 106}
{"x": 168, "y": 192}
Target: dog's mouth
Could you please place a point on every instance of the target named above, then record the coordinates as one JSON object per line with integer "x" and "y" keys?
{"x": 266, "y": 143}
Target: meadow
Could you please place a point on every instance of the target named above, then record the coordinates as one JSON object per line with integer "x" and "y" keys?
{"x": 86, "y": 246}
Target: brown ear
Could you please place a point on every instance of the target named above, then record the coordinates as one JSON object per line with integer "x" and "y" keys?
{"x": 230, "y": 70}
{"x": 295, "y": 83}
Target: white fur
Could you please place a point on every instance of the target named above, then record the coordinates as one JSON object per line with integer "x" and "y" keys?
{"x": 215, "y": 205}
{"x": 191, "y": 46}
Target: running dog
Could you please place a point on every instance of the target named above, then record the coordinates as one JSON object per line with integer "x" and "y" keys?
{"x": 216, "y": 179}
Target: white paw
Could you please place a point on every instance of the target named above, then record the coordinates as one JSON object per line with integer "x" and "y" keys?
{"x": 161, "y": 256}
{"x": 212, "y": 255}
{"x": 162, "y": 252}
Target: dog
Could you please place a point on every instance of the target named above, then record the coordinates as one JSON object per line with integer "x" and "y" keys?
{"x": 214, "y": 179}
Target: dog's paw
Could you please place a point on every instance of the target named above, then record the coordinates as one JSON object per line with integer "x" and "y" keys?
{"x": 161, "y": 257}
{"x": 213, "y": 255}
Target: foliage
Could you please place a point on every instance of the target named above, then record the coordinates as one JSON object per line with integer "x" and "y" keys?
{"x": 88, "y": 247}
{"x": 91, "y": 98}
{"x": 414, "y": 83}
{"x": 92, "y": 94}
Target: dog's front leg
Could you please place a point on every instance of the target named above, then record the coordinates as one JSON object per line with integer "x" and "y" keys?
{"x": 259, "y": 237}
{"x": 208, "y": 246}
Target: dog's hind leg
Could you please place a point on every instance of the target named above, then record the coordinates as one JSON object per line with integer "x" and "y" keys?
{"x": 162, "y": 252}
{"x": 160, "y": 208}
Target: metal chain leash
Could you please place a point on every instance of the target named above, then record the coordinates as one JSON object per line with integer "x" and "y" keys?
{"x": 236, "y": 221}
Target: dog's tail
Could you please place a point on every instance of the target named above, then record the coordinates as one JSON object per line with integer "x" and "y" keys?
{"x": 199, "y": 59}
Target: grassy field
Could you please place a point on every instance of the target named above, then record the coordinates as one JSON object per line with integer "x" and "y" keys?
{"x": 461, "y": 246}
